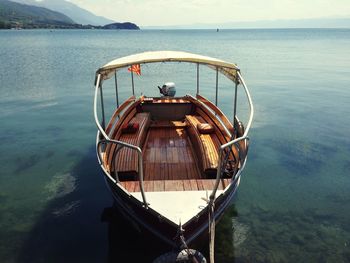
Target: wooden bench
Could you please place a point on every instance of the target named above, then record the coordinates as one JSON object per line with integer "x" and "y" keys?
{"x": 123, "y": 114}
{"x": 126, "y": 160}
{"x": 205, "y": 145}
{"x": 222, "y": 135}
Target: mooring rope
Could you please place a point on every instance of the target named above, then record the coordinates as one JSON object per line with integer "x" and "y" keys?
{"x": 211, "y": 214}
{"x": 189, "y": 253}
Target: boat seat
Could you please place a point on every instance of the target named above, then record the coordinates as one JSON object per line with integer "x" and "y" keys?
{"x": 205, "y": 144}
{"x": 126, "y": 159}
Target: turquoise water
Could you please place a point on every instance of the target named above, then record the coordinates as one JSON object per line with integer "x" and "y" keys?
{"x": 293, "y": 202}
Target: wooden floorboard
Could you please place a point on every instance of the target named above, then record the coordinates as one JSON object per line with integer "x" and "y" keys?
{"x": 170, "y": 164}
{"x": 168, "y": 155}
{"x": 175, "y": 185}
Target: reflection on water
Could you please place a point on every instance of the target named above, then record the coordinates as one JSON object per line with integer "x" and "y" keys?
{"x": 127, "y": 242}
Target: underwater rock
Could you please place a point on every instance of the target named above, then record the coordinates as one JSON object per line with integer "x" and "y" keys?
{"x": 240, "y": 232}
{"x": 296, "y": 239}
{"x": 346, "y": 166}
{"x": 49, "y": 153}
{"x": 60, "y": 185}
{"x": 24, "y": 163}
{"x": 66, "y": 209}
{"x": 303, "y": 157}
{"x": 74, "y": 153}
{"x": 55, "y": 131}
{"x": 3, "y": 197}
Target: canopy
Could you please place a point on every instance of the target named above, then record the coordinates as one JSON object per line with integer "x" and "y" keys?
{"x": 228, "y": 69}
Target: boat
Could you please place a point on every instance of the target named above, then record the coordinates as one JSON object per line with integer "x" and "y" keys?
{"x": 171, "y": 162}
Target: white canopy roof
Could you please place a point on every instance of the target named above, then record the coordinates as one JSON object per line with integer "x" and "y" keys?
{"x": 228, "y": 69}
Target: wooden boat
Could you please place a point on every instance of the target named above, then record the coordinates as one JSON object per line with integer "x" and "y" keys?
{"x": 168, "y": 159}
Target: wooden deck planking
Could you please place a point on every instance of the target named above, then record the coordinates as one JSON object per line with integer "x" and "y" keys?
{"x": 168, "y": 155}
{"x": 175, "y": 185}
{"x": 170, "y": 164}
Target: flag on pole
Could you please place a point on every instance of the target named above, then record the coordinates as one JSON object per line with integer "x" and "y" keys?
{"x": 135, "y": 68}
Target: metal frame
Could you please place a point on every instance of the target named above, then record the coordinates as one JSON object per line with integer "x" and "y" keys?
{"x": 216, "y": 86}
{"x": 120, "y": 143}
{"x": 235, "y": 141}
{"x": 197, "y": 78}
{"x": 116, "y": 88}
{"x": 132, "y": 83}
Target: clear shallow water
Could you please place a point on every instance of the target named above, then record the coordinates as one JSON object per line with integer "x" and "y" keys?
{"x": 293, "y": 202}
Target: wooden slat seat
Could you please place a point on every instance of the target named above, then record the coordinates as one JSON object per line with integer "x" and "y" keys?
{"x": 205, "y": 145}
{"x": 126, "y": 160}
{"x": 175, "y": 185}
{"x": 222, "y": 136}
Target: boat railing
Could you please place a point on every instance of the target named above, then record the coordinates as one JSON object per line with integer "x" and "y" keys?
{"x": 121, "y": 144}
{"x": 222, "y": 149}
{"x": 140, "y": 161}
{"x": 235, "y": 143}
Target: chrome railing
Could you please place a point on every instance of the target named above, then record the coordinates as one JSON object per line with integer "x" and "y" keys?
{"x": 106, "y": 140}
{"x": 222, "y": 148}
{"x": 235, "y": 143}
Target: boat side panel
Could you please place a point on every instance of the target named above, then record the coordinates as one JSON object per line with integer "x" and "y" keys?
{"x": 161, "y": 227}
{"x": 168, "y": 111}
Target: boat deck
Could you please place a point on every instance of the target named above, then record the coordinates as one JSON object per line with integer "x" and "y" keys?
{"x": 175, "y": 185}
{"x": 170, "y": 163}
{"x": 168, "y": 155}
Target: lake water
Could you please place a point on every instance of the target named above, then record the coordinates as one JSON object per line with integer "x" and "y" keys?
{"x": 293, "y": 204}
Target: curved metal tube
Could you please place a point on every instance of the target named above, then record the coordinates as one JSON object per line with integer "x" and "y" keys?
{"x": 235, "y": 141}
{"x": 251, "y": 106}
{"x": 218, "y": 174}
{"x": 123, "y": 144}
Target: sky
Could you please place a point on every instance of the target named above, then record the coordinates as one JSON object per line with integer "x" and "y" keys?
{"x": 184, "y": 12}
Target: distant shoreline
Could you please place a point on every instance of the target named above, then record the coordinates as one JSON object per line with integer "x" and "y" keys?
{"x": 180, "y": 29}
{"x": 114, "y": 26}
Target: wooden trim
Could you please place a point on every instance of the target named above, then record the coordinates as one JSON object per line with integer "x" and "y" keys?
{"x": 168, "y": 100}
{"x": 210, "y": 113}
{"x": 216, "y": 110}
{"x": 118, "y": 111}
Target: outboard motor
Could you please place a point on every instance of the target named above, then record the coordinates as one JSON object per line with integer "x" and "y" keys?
{"x": 168, "y": 89}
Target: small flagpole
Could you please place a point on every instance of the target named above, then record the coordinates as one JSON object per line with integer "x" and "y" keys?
{"x": 116, "y": 88}
{"x": 132, "y": 81}
{"x": 217, "y": 86}
{"x": 197, "y": 78}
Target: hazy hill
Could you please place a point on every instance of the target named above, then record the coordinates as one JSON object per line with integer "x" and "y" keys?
{"x": 19, "y": 15}
{"x": 126, "y": 25}
{"x": 79, "y": 15}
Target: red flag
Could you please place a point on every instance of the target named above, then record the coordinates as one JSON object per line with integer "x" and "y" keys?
{"x": 135, "y": 68}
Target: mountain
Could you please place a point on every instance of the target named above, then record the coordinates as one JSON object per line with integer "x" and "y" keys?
{"x": 79, "y": 15}
{"x": 126, "y": 25}
{"x": 19, "y": 15}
